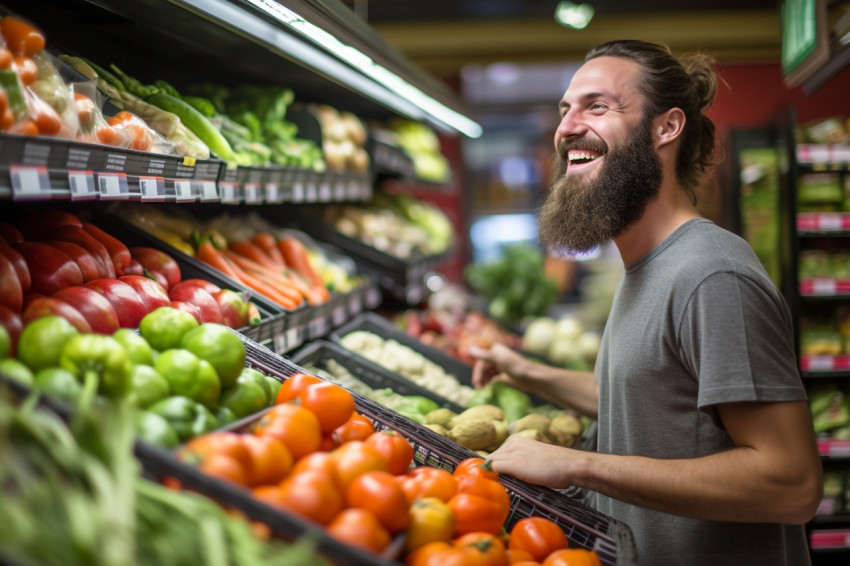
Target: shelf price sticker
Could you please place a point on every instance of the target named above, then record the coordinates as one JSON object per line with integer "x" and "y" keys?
{"x": 205, "y": 191}
{"x": 253, "y": 193}
{"x": 229, "y": 192}
{"x": 289, "y": 340}
{"x": 273, "y": 194}
{"x": 113, "y": 186}
{"x": 30, "y": 182}
{"x": 339, "y": 315}
{"x": 152, "y": 188}
{"x": 339, "y": 189}
{"x": 355, "y": 304}
{"x": 325, "y": 191}
{"x": 183, "y": 190}
{"x": 82, "y": 185}
{"x": 318, "y": 327}
{"x": 298, "y": 191}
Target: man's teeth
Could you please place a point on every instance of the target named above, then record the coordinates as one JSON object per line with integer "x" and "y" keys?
{"x": 577, "y": 155}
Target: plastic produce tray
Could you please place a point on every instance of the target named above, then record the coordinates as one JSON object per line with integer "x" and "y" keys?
{"x": 403, "y": 279}
{"x": 319, "y": 352}
{"x": 384, "y": 328}
{"x": 272, "y": 331}
{"x": 612, "y": 540}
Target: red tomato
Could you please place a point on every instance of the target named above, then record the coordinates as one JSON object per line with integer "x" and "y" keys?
{"x": 395, "y": 448}
{"x": 297, "y": 382}
{"x": 572, "y": 557}
{"x": 425, "y": 481}
{"x": 312, "y": 494}
{"x": 295, "y": 426}
{"x": 355, "y": 458}
{"x": 359, "y": 527}
{"x": 332, "y": 404}
{"x": 357, "y": 427}
{"x": 476, "y": 467}
{"x": 270, "y": 459}
{"x": 538, "y": 536}
{"x": 378, "y": 492}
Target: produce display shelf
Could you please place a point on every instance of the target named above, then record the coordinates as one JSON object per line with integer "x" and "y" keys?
{"x": 403, "y": 279}
{"x": 612, "y": 540}
{"x": 320, "y": 352}
{"x": 41, "y": 168}
{"x": 389, "y": 160}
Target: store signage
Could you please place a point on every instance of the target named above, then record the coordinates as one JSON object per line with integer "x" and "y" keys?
{"x": 805, "y": 39}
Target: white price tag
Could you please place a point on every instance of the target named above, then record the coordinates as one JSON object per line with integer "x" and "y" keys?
{"x": 820, "y": 363}
{"x": 229, "y": 193}
{"x": 339, "y": 190}
{"x": 298, "y": 192}
{"x": 253, "y": 193}
{"x": 355, "y": 305}
{"x": 149, "y": 189}
{"x": 273, "y": 195}
{"x": 183, "y": 191}
{"x": 339, "y": 315}
{"x": 30, "y": 181}
{"x": 206, "y": 191}
{"x": 325, "y": 192}
{"x": 312, "y": 194}
{"x": 113, "y": 186}
{"x": 82, "y": 185}
{"x": 823, "y": 286}
{"x": 295, "y": 336}
{"x": 828, "y": 222}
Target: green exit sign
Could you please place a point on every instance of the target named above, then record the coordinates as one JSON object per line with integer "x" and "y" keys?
{"x": 799, "y": 32}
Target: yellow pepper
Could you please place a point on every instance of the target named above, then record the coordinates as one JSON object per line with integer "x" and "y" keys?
{"x": 431, "y": 520}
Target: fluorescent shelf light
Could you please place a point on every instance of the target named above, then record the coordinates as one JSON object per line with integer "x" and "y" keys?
{"x": 370, "y": 78}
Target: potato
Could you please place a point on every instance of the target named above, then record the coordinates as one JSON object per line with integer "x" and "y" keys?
{"x": 440, "y": 417}
{"x": 479, "y": 412}
{"x": 474, "y": 434}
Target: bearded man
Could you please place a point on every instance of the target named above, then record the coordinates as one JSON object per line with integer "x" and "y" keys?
{"x": 706, "y": 447}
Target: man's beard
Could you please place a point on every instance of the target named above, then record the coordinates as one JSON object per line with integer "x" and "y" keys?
{"x": 581, "y": 213}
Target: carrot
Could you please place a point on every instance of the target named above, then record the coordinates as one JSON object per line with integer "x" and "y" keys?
{"x": 281, "y": 280}
{"x": 254, "y": 317}
{"x": 5, "y": 58}
{"x": 285, "y": 298}
{"x": 47, "y": 120}
{"x": 26, "y": 68}
{"x": 208, "y": 254}
{"x": 295, "y": 255}
{"x": 26, "y": 127}
{"x": 249, "y": 264}
{"x": 254, "y": 253}
{"x": 268, "y": 244}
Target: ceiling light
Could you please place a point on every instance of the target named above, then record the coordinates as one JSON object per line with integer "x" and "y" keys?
{"x": 575, "y": 16}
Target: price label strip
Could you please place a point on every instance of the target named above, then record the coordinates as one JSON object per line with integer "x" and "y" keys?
{"x": 30, "y": 182}
{"x": 298, "y": 192}
{"x": 82, "y": 185}
{"x": 113, "y": 186}
{"x": 273, "y": 194}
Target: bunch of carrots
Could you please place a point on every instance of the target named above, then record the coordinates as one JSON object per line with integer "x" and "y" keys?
{"x": 277, "y": 268}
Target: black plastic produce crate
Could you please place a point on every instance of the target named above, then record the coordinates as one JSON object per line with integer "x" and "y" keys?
{"x": 585, "y": 527}
{"x": 379, "y": 325}
{"x": 319, "y": 352}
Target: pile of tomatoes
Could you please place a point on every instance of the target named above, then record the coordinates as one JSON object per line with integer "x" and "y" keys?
{"x": 314, "y": 456}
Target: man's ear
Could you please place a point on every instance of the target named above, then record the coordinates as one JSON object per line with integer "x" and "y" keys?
{"x": 668, "y": 126}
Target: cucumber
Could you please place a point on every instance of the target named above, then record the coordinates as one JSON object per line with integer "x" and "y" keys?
{"x": 195, "y": 121}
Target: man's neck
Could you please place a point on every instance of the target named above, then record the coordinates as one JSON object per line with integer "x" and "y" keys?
{"x": 669, "y": 210}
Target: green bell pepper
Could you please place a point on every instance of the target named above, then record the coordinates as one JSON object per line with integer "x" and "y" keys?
{"x": 422, "y": 405}
{"x": 164, "y": 327}
{"x": 58, "y": 383}
{"x": 189, "y": 376}
{"x": 219, "y": 346}
{"x": 245, "y": 397}
{"x": 224, "y": 415}
{"x": 515, "y": 403}
{"x": 261, "y": 379}
{"x": 136, "y": 347}
{"x": 16, "y": 370}
{"x": 41, "y": 343}
{"x": 148, "y": 386}
{"x": 274, "y": 386}
{"x": 98, "y": 361}
{"x": 483, "y": 396}
{"x": 156, "y": 430}
{"x": 188, "y": 418}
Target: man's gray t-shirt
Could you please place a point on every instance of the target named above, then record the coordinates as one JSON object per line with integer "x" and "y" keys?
{"x": 696, "y": 322}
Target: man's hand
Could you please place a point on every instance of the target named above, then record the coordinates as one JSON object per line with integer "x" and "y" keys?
{"x": 498, "y": 360}
{"x": 551, "y": 465}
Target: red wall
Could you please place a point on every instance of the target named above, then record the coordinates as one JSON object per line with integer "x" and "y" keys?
{"x": 756, "y": 94}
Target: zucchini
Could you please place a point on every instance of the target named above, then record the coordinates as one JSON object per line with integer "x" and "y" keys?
{"x": 106, "y": 75}
{"x": 195, "y": 121}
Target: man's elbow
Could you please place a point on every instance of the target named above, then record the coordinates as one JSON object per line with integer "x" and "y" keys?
{"x": 804, "y": 497}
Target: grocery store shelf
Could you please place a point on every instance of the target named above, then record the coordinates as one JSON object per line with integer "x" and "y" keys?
{"x": 825, "y": 287}
{"x": 319, "y": 48}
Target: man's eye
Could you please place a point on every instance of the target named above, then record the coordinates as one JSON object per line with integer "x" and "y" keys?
{"x": 598, "y": 106}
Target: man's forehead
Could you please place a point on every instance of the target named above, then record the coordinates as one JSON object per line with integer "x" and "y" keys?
{"x": 615, "y": 75}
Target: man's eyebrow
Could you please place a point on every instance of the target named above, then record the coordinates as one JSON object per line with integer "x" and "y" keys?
{"x": 563, "y": 105}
